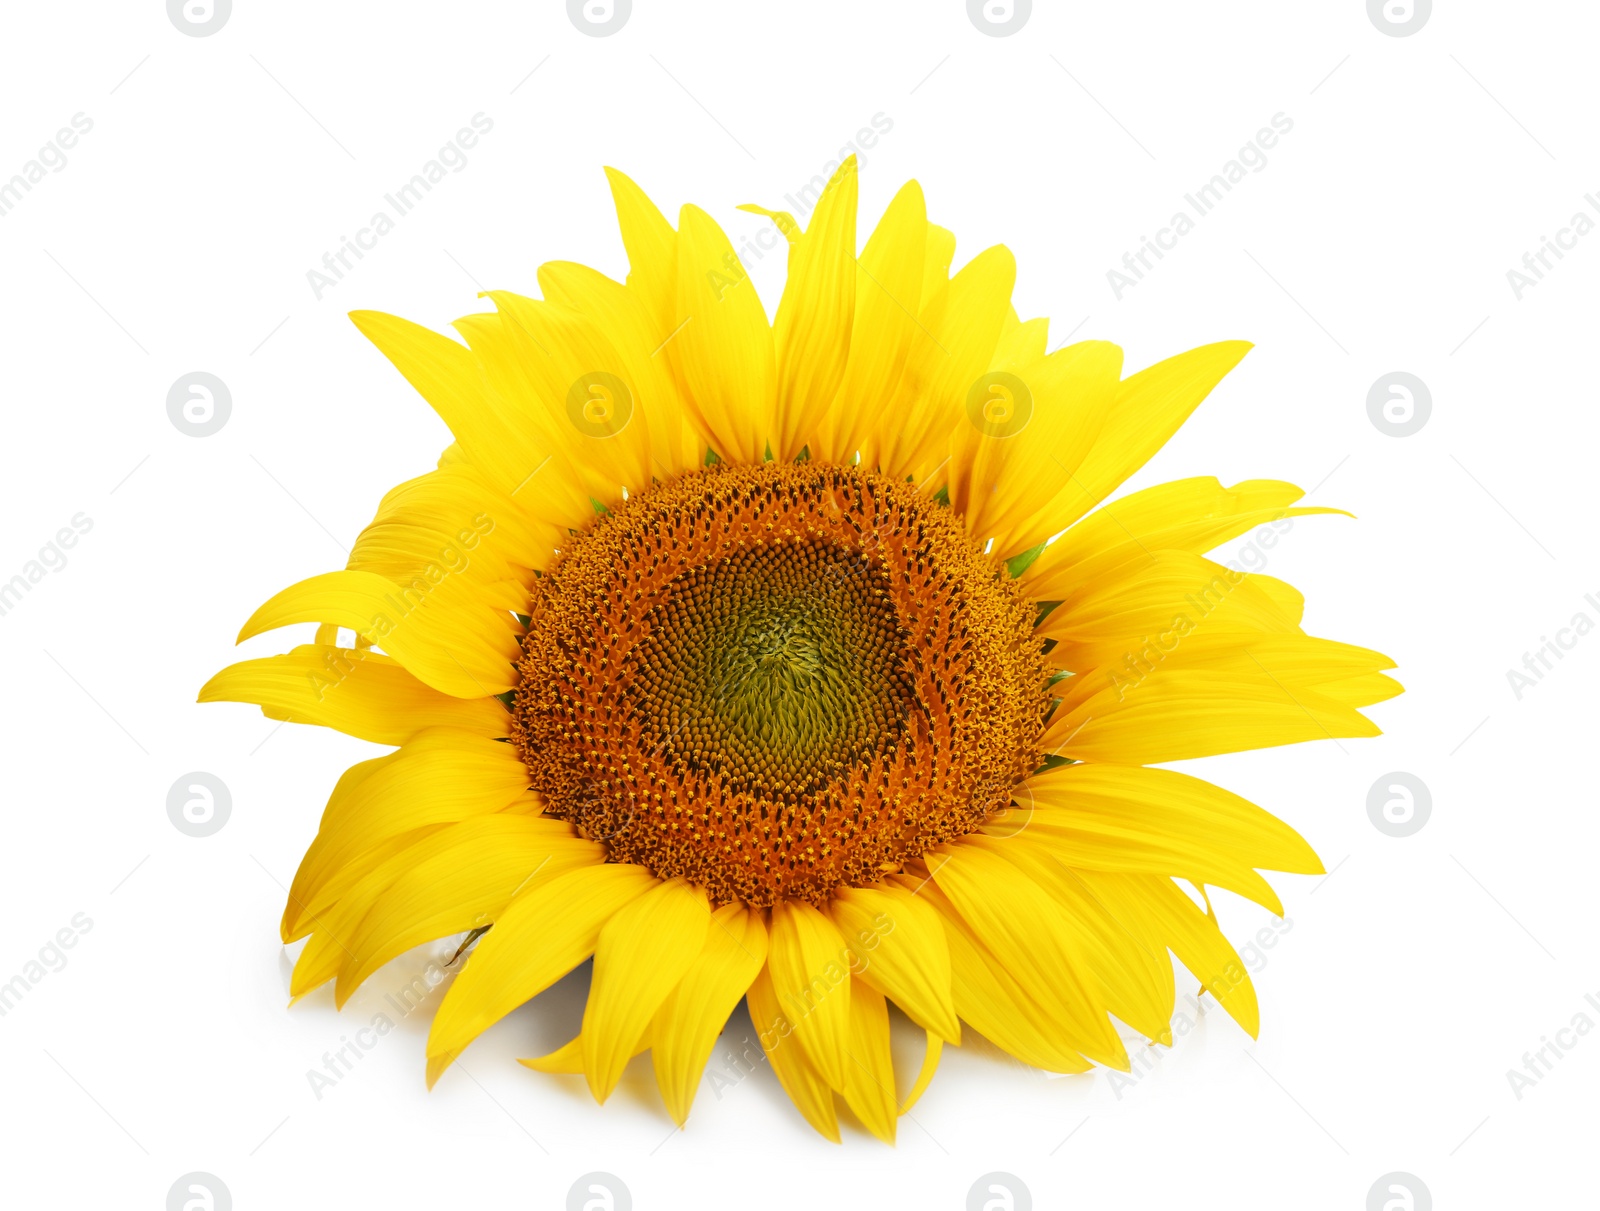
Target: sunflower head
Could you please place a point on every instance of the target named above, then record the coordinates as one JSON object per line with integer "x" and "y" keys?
{"x": 798, "y": 662}
{"x": 778, "y": 680}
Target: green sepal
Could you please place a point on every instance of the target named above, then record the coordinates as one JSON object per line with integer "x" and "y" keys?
{"x": 1018, "y": 564}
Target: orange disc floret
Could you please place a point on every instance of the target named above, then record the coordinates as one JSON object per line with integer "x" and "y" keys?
{"x": 773, "y": 680}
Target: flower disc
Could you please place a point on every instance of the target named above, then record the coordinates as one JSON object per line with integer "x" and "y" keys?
{"x": 774, "y": 680}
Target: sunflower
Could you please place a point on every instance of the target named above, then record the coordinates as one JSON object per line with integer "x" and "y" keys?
{"x": 798, "y": 662}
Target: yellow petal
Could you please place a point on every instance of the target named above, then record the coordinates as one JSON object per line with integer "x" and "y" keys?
{"x": 547, "y": 930}
{"x": 564, "y": 1060}
{"x": 330, "y": 949}
{"x": 723, "y": 350}
{"x": 869, "y": 1069}
{"x": 447, "y": 375}
{"x": 1178, "y": 713}
{"x": 1136, "y": 980}
{"x": 809, "y": 965}
{"x": 407, "y": 554}
{"x": 938, "y": 251}
{"x": 1022, "y": 342}
{"x": 930, "y": 1065}
{"x": 1177, "y": 603}
{"x": 1191, "y": 934}
{"x": 1139, "y": 849}
{"x": 439, "y": 776}
{"x": 318, "y": 962}
{"x": 909, "y": 959}
{"x": 567, "y": 1060}
{"x": 888, "y": 295}
{"x": 1017, "y": 923}
{"x": 333, "y": 949}
{"x": 652, "y": 248}
{"x": 1142, "y": 811}
{"x": 456, "y": 530}
{"x": 356, "y": 692}
{"x": 1014, "y": 456}
{"x": 1344, "y": 672}
{"x": 436, "y": 1066}
{"x": 466, "y": 654}
{"x": 950, "y": 350}
{"x": 569, "y": 365}
{"x": 1195, "y": 515}
{"x": 675, "y": 446}
{"x": 458, "y": 879}
{"x": 642, "y": 953}
{"x": 685, "y": 1028}
{"x": 813, "y": 326}
{"x": 996, "y": 1005}
{"x": 561, "y": 478}
{"x": 807, "y": 1088}
{"x": 315, "y": 895}
{"x": 1149, "y": 408}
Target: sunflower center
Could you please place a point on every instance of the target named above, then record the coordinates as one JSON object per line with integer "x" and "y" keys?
{"x": 779, "y": 667}
{"x": 776, "y": 680}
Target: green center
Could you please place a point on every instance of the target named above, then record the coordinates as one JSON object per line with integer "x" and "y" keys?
{"x": 776, "y": 667}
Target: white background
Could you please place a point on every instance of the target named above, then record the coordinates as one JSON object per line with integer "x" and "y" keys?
{"x": 178, "y": 236}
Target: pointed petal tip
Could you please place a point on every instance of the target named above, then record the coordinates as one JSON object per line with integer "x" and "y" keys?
{"x": 367, "y": 321}
{"x": 1237, "y": 349}
{"x": 253, "y": 625}
{"x": 556, "y": 1063}
{"x": 437, "y": 1063}
{"x": 881, "y": 1131}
